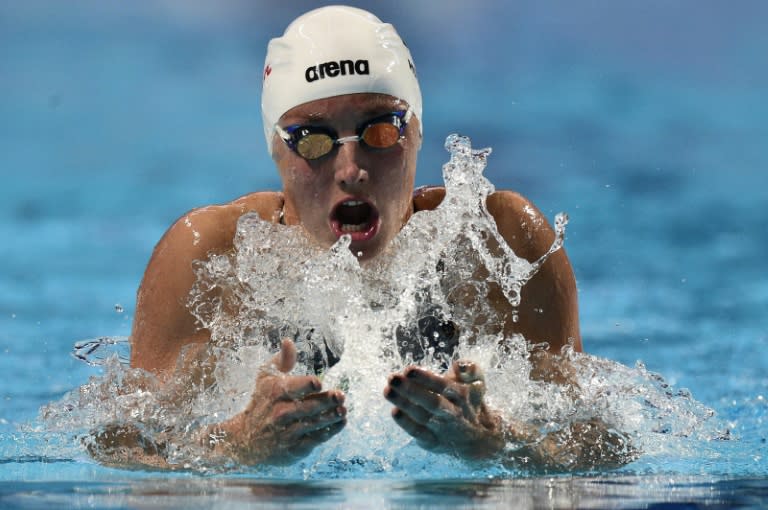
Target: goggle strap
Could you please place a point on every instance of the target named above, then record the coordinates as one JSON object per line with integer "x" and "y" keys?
{"x": 345, "y": 139}
{"x": 283, "y": 133}
{"x": 408, "y": 115}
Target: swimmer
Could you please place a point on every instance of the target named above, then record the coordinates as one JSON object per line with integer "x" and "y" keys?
{"x": 342, "y": 113}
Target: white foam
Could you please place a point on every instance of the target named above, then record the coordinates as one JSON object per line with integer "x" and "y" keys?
{"x": 276, "y": 283}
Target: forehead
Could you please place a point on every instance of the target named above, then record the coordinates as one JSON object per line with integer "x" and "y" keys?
{"x": 346, "y": 107}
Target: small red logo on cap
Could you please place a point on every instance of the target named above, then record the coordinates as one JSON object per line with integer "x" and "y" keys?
{"x": 267, "y": 71}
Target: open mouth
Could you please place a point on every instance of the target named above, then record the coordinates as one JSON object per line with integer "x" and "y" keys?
{"x": 358, "y": 218}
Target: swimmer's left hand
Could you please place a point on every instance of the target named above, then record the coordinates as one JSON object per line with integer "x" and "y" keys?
{"x": 446, "y": 413}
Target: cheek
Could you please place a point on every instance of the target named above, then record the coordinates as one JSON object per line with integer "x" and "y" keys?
{"x": 406, "y": 173}
{"x": 297, "y": 176}
{"x": 294, "y": 171}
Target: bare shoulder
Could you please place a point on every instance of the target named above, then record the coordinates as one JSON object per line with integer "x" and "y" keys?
{"x": 549, "y": 310}
{"x": 162, "y": 323}
{"x": 519, "y": 221}
{"x": 211, "y": 229}
{"x": 426, "y": 198}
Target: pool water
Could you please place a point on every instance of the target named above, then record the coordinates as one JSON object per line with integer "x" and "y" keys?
{"x": 645, "y": 125}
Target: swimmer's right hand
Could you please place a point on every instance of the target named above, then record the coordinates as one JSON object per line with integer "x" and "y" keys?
{"x": 287, "y": 416}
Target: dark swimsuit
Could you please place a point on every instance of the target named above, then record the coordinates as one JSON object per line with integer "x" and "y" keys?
{"x": 430, "y": 335}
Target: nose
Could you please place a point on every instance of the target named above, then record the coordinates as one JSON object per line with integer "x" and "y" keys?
{"x": 347, "y": 171}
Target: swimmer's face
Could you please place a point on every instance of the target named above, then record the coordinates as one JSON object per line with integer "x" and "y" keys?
{"x": 354, "y": 189}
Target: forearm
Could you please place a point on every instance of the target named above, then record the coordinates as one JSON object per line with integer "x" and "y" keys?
{"x": 125, "y": 446}
{"x": 581, "y": 445}
{"x": 152, "y": 419}
{"x": 128, "y": 446}
{"x": 233, "y": 440}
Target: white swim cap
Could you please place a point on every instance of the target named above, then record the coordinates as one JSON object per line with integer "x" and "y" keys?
{"x": 332, "y": 51}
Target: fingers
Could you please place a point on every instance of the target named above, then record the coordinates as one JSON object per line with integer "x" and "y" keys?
{"x": 285, "y": 359}
{"x": 416, "y": 395}
{"x": 417, "y": 430}
{"x": 288, "y": 415}
{"x": 470, "y": 374}
{"x": 298, "y": 406}
{"x": 274, "y": 383}
{"x": 467, "y": 372}
{"x": 316, "y": 428}
{"x": 285, "y": 413}
{"x": 431, "y": 381}
{"x": 311, "y": 421}
{"x": 446, "y": 413}
{"x": 440, "y": 389}
{"x": 431, "y": 407}
{"x": 295, "y": 387}
{"x": 406, "y": 393}
{"x": 416, "y": 413}
{"x": 305, "y": 444}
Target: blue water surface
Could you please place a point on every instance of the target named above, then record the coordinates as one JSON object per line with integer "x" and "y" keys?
{"x": 644, "y": 122}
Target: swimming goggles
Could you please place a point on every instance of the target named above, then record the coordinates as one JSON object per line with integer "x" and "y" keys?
{"x": 313, "y": 142}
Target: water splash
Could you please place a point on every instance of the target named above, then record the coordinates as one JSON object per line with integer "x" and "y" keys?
{"x": 440, "y": 268}
{"x": 95, "y": 352}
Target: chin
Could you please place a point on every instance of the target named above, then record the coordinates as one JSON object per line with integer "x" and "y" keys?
{"x": 368, "y": 251}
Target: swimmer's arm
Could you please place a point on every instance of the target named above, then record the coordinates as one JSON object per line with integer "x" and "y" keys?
{"x": 581, "y": 445}
{"x": 167, "y": 342}
{"x": 548, "y": 311}
{"x": 286, "y": 417}
{"x": 448, "y": 413}
{"x": 549, "y": 308}
{"x": 162, "y": 323}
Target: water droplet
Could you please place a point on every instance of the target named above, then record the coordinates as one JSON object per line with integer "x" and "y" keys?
{"x": 279, "y": 282}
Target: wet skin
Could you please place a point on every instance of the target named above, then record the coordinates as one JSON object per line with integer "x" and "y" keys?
{"x": 289, "y": 415}
{"x": 446, "y": 414}
{"x": 442, "y": 412}
{"x": 383, "y": 178}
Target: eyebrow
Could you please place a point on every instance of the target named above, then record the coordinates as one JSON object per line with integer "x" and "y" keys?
{"x": 317, "y": 116}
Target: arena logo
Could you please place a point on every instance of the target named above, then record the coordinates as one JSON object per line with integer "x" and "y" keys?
{"x": 333, "y": 69}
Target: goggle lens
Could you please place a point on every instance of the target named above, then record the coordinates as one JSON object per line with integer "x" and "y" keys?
{"x": 381, "y": 135}
{"x": 314, "y": 145}
{"x": 313, "y": 142}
